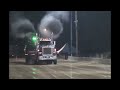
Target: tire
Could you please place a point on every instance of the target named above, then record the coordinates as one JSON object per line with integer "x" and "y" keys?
{"x": 55, "y": 62}
{"x": 30, "y": 60}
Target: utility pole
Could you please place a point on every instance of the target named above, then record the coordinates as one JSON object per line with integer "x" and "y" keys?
{"x": 71, "y": 33}
{"x": 76, "y": 21}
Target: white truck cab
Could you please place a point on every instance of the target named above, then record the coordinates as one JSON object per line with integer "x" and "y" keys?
{"x": 46, "y": 50}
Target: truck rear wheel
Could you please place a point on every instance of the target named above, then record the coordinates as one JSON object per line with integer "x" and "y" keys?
{"x": 30, "y": 60}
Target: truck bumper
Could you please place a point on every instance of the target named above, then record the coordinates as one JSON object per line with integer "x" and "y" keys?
{"x": 47, "y": 57}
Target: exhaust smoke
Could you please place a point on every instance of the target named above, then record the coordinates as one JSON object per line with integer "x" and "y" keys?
{"x": 52, "y": 22}
{"x": 20, "y": 26}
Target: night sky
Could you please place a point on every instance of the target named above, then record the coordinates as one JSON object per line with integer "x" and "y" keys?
{"x": 94, "y": 31}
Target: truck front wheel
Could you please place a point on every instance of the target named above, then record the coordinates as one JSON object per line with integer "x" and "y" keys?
{"x": 55, "y": 61}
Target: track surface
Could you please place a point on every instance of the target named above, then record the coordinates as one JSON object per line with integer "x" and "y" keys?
{"x": 65, "y": 69}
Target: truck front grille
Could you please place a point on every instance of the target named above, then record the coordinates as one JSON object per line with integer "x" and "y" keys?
{"x": 46, "y": 50}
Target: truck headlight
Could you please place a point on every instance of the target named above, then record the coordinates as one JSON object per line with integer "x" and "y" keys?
{"x": 40, "y": 53}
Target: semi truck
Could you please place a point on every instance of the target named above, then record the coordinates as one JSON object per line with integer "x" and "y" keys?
{"x": 40, "y": 49}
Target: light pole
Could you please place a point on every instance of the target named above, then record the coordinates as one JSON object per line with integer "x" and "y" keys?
{"x": 71, "y": 33}
{"x": 76, "y": 21}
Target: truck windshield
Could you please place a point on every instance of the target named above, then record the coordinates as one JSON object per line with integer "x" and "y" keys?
{"x": 45, "y": 43}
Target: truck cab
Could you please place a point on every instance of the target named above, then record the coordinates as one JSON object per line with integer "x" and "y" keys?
{"x": 46, "y": 50}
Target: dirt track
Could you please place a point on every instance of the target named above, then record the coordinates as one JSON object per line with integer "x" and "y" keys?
{"x": 63, "y": 70}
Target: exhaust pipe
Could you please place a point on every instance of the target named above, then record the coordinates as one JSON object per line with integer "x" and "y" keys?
{"x": 61, "y": 49}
